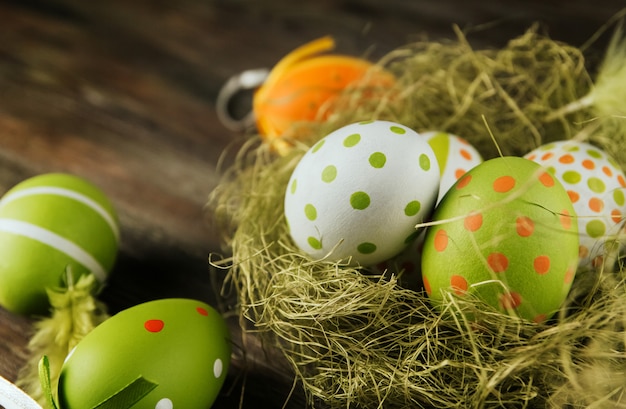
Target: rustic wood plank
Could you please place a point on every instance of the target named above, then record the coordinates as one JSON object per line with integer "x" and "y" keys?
{"x": 123, "y": 94}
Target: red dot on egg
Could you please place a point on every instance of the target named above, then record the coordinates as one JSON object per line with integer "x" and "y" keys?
{"x": 511, "y": 300}
{"x": 616, "y": 216}
{"x": 154, "y": 325}
{"x": 503, "y": 184}
{"x": 465, "y": 154}
{"x": 569, "y": 275}
{"x": 541, "y": 264}
{"x": 473, "y": 221}
{"x": 464, "y": 181}
{"x": 546, "y": 179}
{"x": 498, "y": 262}
{"x": 458, "y": 284}
{"x": 202, "y": 311}
{"x": 566, "y": 219}
{"x": 458, "y": 173}
{"x": 525, "y": 226}
{"x": 596, "y": 204}
{"x": 532, "y": 157}
{"x": 607, "y": 171}
{"x": 427, "y": 287}
{"x": 547, "y": 156}
{"x": 621, "y": 181}
{"x": 441, "y": 240}
{"x": 589, "y": 164}
{"x": 573, "y": 196}
{"x": 567, "y": 158}
{"x": 538, "y": 319}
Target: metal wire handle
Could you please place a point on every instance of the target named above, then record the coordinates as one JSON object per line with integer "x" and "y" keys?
{"x": 245, "y": 80}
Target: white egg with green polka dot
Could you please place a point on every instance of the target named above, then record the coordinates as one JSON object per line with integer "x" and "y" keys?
{"x": 596, "y": 186}
{"x": 358, "y": 193}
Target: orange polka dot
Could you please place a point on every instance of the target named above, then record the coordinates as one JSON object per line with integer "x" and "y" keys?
{"x": 459, "y": 284}
{"x": 567, "y": 158}
{"x": 596, "y": 204}
{"x": 458, "y": 173}
{"x": 473, "y": 221}
{"x": 538, "y": 319}
{"x": 607, "y": 171}
{"x": 547, "y": 156}
{"x": 498, "y": 262}
{"x": 541, "y": 264}
{"x": 616, "y": 216}
{"x": 569, "y": 275}
{"x": 511, "y": 300}
{"x": 589, "y": 164}
{"x": 427, "y": 287}
{"x": 524, "y": 226}
{"x": 621, "y": 180}
{"x": 566, "y": 219}
{"x": 546, "y": 179}
{"x": 441, "y": 240}
{"x": 583, "y": 251}
{"x": 464, "y": 181}
{"x": 503, "y": 184}
{"x": 531, "y": 157}
{"x": 573, "y": 196}
{"x": 465, "y": 154}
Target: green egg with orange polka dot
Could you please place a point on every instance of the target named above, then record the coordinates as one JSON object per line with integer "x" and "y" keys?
{"x": 163, "y": 354}
{"x": 357, "y": 195}
{"x": 505, "y": 232}
{"x": 50, "y": 223}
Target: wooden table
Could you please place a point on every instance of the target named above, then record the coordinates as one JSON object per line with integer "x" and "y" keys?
{"x": 123, "y": 93}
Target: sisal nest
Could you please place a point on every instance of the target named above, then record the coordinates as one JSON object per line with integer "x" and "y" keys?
{"x": 357, "y": 339}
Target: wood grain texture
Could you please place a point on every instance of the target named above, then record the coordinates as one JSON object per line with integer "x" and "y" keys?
{"x": 123, "y": 93}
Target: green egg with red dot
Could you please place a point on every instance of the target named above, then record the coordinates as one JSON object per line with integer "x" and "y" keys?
{"x": 505, "y": 232}
{"x": 163, "y": 354}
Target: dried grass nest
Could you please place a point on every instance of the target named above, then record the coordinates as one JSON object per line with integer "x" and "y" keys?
{"x": 359, "y": 340}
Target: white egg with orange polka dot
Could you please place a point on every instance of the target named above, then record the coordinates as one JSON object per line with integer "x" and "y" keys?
{"x": 596, "y": 186}
{"x": 358, "y": 193}
{"x": 455, "y": 156}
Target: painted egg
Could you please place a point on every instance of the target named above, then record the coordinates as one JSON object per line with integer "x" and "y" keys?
{"x": 359, "y": 192}
{"x": 301, "y": 86}
{"x": 506, "y": 232}
{"x": 163, "y": 354}
{"x": 48, "y": 223}
{"x": 455, "y": 156}
{"x": 595, "y": 184}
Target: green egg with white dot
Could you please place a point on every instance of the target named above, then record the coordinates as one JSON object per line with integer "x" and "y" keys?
{"x": 50, "y": 223}
{"x": 164, "y": 354}
{"x": 596, "y": 185}
{"x": 358, "y": 193}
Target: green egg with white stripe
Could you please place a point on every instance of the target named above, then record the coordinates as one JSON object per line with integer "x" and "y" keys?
{"x": 50, "y": 223}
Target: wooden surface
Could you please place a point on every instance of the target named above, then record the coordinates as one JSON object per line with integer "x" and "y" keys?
{"x": 123, "y": 93}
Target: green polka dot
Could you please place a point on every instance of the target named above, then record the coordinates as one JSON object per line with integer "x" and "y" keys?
{"x": 596, "y": 185}
{"x": 294, "y": 185}
{"x": 594, "y": 153}
{"x": 366, "y": 248}
{"x": 595, "y": 228}
{"x": 318, "y": 146}
{"x": 546, "y": 147}
{"x": 352, "y": 140}
{"x": 314, "y": 243}
{"x": 424, "y": 162}
{"x": 378, "y": 159}
{"x": 613, "y": 162}
{"x": 329, "y": 173}
{"x": 359, "y": 200}
{"x": 573, "y": 148}
{"x": 397, "y": 130}
{"x": 551, "y": 170}
{"x": 310, "y": 211}
{"x": 571, "y": 176}
{"x": 618, "y": 196}
{"x": 412, "y": 208}
{"x": 371, "y": 121}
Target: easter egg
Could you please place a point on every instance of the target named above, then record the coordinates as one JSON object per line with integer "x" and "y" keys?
{"x": 178, "y": 348}
{"x": 49, "y": 223}
{"x": 303, "y": 84}
{"x": 505, "y": 232}
{"x": 595, "y": 184}
{"x": 358, "y": 193}
{"x": 455, "y": 156}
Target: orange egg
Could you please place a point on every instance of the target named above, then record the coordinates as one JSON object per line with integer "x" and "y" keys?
{"x": 302, "y": 86}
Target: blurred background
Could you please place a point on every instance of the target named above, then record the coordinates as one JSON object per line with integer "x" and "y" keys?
{"x": 123, "y": 93}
